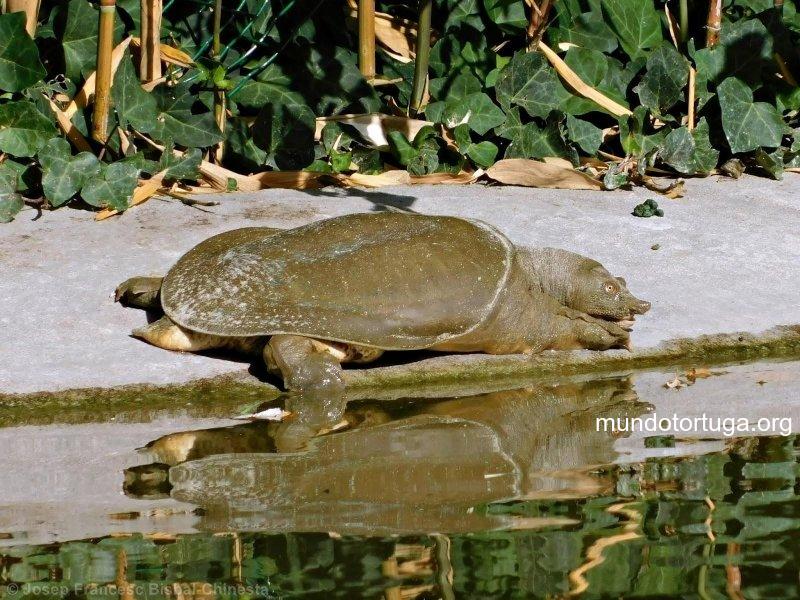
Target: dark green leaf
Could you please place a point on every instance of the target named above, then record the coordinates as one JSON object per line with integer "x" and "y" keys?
{"x": 452, "y": 89}
{"x": 23, "y": 129}
{"x": 530, "y": 82}
{"x": 587, "y": 30}
{"x": 477, "y": 110}
{"x": 636, "y": 23}
{"x": 286, "y": 132}
{"x": 748, "y": 125}
{"x": 134, "y": 106}
{"x": 482, "y": 154}
{"x": 587, "y": 136}
{"x": 79, "y": 39}
{"x": 112, "y": 187}
{"x": 63, "y": 175}
{"x": 180, "y": 167}
{"x": 178, "y": 122}
{"x": 771, "y": 162}
{"x": 10, "y": 205}
{"x": 689, "y": 152}
{"x": 509, "y": 15}
{"x": 19, "y": 58}
{"x": 666, "y": 76}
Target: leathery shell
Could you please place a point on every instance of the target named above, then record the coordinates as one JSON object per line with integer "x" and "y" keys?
{"x": 389, "y": 280}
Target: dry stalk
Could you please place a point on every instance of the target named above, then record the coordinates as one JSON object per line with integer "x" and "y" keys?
{"x": 105, "y": 42}
{"x": 150, "y": 67}
{"x": 366, "y": 38}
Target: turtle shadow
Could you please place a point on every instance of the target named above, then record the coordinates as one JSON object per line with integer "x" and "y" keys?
{"x": 382, "y": 201}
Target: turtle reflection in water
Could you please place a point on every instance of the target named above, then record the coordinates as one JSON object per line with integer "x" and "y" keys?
{"x": 349, "y": 288}
{"x": 396, "y": 467}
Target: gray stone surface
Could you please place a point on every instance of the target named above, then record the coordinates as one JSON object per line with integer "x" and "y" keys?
{"x": 728, "y": 261}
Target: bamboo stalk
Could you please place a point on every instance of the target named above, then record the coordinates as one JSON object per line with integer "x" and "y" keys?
{"x": 31, "y": 10}
{"x": 683, "y": 15}
{"x": 714, "y": 23}
{"x": 366, "y": 38}
{"x": 150, "y": 67}
{"x": 423, "y": 56}
{"x": 105, "y": 42}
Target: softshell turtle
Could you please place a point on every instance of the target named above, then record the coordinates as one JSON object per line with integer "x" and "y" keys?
{"x": 347, "y": 289}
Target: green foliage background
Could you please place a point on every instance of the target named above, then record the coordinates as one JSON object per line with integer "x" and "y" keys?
{"x": 286, "y": 62}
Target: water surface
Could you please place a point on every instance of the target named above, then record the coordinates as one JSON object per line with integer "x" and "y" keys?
{"x": 504, "y": 494}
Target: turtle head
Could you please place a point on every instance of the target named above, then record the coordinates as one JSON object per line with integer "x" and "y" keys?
{"x": 598, "y": 293}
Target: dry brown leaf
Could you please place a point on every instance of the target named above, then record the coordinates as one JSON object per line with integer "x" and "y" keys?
{"x": 85, "y": 96}
{"x": 672, "y": 190}
{"x": 373, "y": 127}
{"x": 576, "y": 83}
{"x": 532, "y": 173}
{"x": 169, "y": 54}
{"x": 397, "y": 36}
{"x": 296, "y": 180}
{"x": 558, "y": 161}
{"x": 69, "y": 129}
{"x": 380, "y": 180}
{"x": 462, "y": 178}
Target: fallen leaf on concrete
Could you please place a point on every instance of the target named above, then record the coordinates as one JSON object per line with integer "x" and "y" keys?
{"x": 462, "y": 178}
{"x": 533, "y": 173}
{"x": 672, "y": 190}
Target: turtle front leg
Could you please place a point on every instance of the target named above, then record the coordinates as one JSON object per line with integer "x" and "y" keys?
{"x": 303, "y": 365}
{"x": 575, "y": 330}
{"x": 141, "y": 292}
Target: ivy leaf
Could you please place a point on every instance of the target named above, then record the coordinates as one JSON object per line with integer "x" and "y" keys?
{"x": 180, "y": 167}
{"x": 134, "y": 106}
{"x": 636, "y": 23}
{"x": 771, "y": 162}
{"x": 747, "y": 125}
{"x": 508, "y": 15}
{"x": 523, "y": 136}
{"x": 688, "y": 152}
{"x": 666, "y": 76}
{"x": 530, "y": 82}
{"x": 23, "y": 129}
{"x": 20, "y": 66}
{"x": 586, "y": 30}
{"x": 482, "y": 154}
{"x": 285, "y": 131}
{"x": 63, "y": 175}
{"x": 112, "y": 187}
{"x": 178, "y": 122}
{"x": 477, "y": 110}
{"x": 10, "y": 202}
{"x": 454, "y": 89}
{"x": 271, "y": 85}
{"x": 632, "y": 134}
{"x": 586, "y": 135}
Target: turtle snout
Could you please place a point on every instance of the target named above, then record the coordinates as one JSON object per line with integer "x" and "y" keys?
{"x": 640, "y": 307}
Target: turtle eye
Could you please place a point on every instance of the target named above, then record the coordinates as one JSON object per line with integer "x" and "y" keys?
{"x": 609, "y": 287}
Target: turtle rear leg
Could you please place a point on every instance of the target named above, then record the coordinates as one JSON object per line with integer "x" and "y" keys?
{"x": 166, "y": 334}
{"x": 141, "y": 292}
{"x": 304, "y": 364}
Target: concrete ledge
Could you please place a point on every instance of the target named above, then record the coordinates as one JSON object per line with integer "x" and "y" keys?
{"x": 727, "y": 260}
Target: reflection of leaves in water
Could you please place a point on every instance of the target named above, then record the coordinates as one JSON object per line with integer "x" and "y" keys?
{"x": 755, "y": 520}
